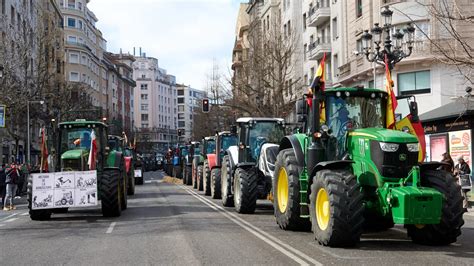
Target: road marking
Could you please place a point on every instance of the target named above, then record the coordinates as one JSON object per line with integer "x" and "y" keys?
{"x": 111, "y": 228}
{"x": 11, "y": 220}
{"x": 24, "y": 214}
{"x": 286, "y": 249}
{"x": 2, "y": 225}
{"x": 399, "y": 230}
{"x": 9, "y": 216}
{"x": 147, "y": 182}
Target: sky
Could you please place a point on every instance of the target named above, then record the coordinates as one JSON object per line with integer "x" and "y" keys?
{"x": 186, "y": 36}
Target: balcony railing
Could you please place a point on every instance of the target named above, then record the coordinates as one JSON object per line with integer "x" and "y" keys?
{"x": 318, "y": 14}
{"x": 317, "y": 49}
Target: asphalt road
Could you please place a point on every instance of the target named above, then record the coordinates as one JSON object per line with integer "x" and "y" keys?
{"x": 170, "y": 224}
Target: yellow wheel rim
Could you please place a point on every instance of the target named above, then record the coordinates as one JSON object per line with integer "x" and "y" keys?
{"x": 282, "y": 190}
{"x": 420, "y": 226}
{"x": 322, "y": 209}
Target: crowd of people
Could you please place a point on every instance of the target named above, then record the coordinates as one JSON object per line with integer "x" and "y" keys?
{"x": 12, "y": 184}
{"x": 458, "y": 170}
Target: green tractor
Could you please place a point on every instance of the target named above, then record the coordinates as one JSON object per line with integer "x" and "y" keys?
{"x": 247, "y": 168}
{"x": 207, "y": 146}
{"x": 351, "y": 172}
{"x": 73, "y": 146}
{"x": 119, "y": 146}
{"x": 187, "y": 161}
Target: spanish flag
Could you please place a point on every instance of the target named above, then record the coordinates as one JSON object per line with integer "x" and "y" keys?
{"x": 392, "y": 100}
{"x": 318, "y": 85}
{"x": 44, "y": 152}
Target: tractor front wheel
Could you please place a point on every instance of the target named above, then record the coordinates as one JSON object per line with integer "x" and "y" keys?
{"x": 336, "y": 208}
{"x": 216, "y": 183}
{"x": 206, "y": 174}
{"x": 226, "y": 183}
{"x": 199, "y": 174}
{"x": 245, "y": 190}
{"x": 188, "y": 176}
{"x": 111, "y": 193}
{"x": 447, "y": 231}
{"x": 286, "y": 193}
{"x": 131, "y": 182}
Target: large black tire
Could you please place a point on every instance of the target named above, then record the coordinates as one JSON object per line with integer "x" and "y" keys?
{"x": 36, "y": 215}
{"x": 226, "y": 183}
{"x": 187, "y": 176}
{"x": 131, "y": 182}
{"x": 206, "y": 175}
{"x": 200, "y": 182}
{"x": 216, "y": 183}
{"x": 124, "y": 191}
{"x": 194, "y": 176}
{"x": 287, "y": 211}
{"x": 447, "y": 231}
{"x": 343, "y": 208}
{"x": 111, "y": 193}
{"x": 245, "y": 190}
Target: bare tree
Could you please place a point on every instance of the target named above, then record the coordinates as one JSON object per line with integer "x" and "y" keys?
{"x": 266, "y": 84}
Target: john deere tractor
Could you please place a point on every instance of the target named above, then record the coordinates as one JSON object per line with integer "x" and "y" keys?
{"x": 118, "y": 145}
{"x": 207, "y": 146}
{"x": 73, "y": 145}
{"x": 213, "y": 163}
{"x": 247, "y": 168}
{"x": 350, "y": 170}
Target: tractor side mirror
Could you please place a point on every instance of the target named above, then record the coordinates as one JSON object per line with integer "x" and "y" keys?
{"x": 301, "y": 107}
{"x": 233, "y": 129}
{"x": 414, "y": 111}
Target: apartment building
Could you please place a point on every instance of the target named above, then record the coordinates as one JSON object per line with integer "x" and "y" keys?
{"x": 84, "y": 49}
{"x": 189, "y": 100}
{"x": 336, "y": 28}
{"x": 241, "y": 47}
{"x": 155, "y": 103}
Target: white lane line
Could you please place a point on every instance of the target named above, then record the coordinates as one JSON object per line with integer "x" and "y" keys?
{"x": 111, "y": 228}
{"x": 287, "y": 250}
{"x": 2, "y": 225}
{"x": 9, "y": 216}
{"x": 11, "y": 220}
{"x": 147, "y": 182}
{"x": 24, "y": 214}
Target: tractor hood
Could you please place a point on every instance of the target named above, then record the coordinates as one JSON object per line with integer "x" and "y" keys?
{"x": 74, "y": 154}
{"x": 384, "y": 135}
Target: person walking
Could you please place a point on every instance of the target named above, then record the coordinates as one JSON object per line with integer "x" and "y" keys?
{"x": 11, "y": 180}
{"x": 462, "y": 168}
{"x": 3, "y": 185}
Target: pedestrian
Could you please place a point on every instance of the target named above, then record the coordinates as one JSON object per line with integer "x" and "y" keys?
{"x": 462, "y": 168}
{"x": 448, "y": 160}
{"x": 22, "y": 170}
{"x": 3, "y": 185}
{"x": 12, "y": 175}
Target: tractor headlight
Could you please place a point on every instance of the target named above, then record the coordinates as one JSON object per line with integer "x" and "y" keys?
{"x": 389, "y": 147}
{"x": 413, "y": 147}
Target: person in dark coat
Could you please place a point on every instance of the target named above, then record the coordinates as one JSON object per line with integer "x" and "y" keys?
{"x": 3, "y": 184}
{"x": 462, "y": 168}
{"x": 11, "y": 180}
{"x": 447, "y": 159}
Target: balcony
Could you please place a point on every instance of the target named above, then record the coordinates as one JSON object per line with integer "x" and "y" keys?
{"x": 80, "y": 45}
{"x": 317, "y": 49}
{"x": 318, "y": 15}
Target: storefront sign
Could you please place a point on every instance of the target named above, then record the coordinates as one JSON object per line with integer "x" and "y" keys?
{"x": 460, "y": 145}
{"x": 445, "y": 126}
{"x": 438, "y": 146}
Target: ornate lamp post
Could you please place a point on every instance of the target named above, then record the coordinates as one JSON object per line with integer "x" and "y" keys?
{"x": 393, "y": 43}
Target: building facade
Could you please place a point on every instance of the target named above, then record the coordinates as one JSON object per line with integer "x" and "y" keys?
{"x": 84, "y": 49}
{"x": 155, "y": 104}
{"x": 189, "y": 100}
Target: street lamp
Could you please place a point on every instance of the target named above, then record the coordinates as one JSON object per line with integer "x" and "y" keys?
{"x": 28, "y": 156}
{"x": 392, "y": 49}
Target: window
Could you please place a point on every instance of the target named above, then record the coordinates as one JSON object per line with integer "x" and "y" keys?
{"x": 414, "y": 83}
{"x": 371, "y": 84}
{"x": 71, "y": 23}
{"x": 335, "y": 64}
{"x": 79, "y": 6}
{"x": 144, "y": 125}
{"x": 80, "y": 24}
{"x": 144, "y": 117}
{"x": 71, "y": 3}
{"x": 144, "y": 107}
{"x": 144, "y": 96}
{"x": 305, "y": 49}
{"x": 180, "y": 116}
{"x": 3, "y": 7}
{"x": 334, "y": 28}
{"x": 12, "y": 13}
{"x": 358, "y": 8}
{"x": 289, "y": 28}
{"x": 72, "y": 39}
{"x": 180, "y": 100}
{"x": 180, "y": 92}
{"x": 304, "y": 21}
{"x": 181, "y": 124}
{"x": 359, "y": 46}
{"x": 73, "y": 58}
{"x": 73, "y": 76}
{"x": 84, "y": 60}
{"x": 181, "y": 108}
{"x": 144, "y": 87}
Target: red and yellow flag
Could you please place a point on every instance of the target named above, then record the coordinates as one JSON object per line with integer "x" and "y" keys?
{"x": 318, "y": 85}
{"x": 44, "y": 152}
{"x": 392, "y": 100}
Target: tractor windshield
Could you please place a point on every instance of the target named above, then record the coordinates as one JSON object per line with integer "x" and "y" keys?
{"x": 211, "y": 146}
{"x": 75, "y": 138}
{"x": 264, "y": 132}
{"x": 115, "y": 145}
{"x": 228, "y": 141}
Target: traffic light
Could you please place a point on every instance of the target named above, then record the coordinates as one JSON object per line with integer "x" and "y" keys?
{"x": 205, "y": 105}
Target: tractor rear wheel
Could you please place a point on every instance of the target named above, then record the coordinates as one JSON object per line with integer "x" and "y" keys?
{"x": 245, "y": 190}
{"x": 124, "y": 193}
{"x": 447, "y": 231}
{"x": 216, "y": 183}
{"x": 36, "y": 215}
{"x": 336, "y": 208}
{"x": 206, "y": 174}
{"x": 131, "y": 182}
{"x": 226, "y": 183}
{"x": 111, "y": 193}
{"x": 286, "y": 193}
{"x": 200, "y": 183}
{"x": 187, "y": 178}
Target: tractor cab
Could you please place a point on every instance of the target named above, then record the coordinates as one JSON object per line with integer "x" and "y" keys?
{"x": 75, "y": 141}
{"x": 254, "y": 133}
{"x": 224, "y": 140}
